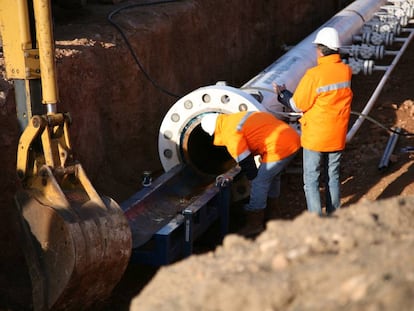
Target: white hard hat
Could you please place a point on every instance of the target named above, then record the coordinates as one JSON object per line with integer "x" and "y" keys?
{"x": 208, "y": 123}
{"x": 329, "y": 37}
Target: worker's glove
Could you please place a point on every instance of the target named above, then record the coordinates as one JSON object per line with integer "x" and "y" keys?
{"x": 284, "y": 97}
{"x": 248, "y": 167}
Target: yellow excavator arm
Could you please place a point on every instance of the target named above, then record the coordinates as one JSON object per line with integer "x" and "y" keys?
{"x": 77, "y": 243}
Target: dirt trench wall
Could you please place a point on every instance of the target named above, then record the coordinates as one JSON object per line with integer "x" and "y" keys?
{"x": 117, "y": 110}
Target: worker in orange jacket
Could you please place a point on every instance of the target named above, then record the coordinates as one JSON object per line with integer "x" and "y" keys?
{"x": 324, "y": 97}
{"x": 248, "y": 134}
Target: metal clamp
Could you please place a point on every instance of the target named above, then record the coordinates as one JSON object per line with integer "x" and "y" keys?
{"x": 223, "y": 180}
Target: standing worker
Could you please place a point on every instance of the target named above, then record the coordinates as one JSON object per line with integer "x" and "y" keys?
{"x": 245, "y": 135}
{"x": 324, "y": 97}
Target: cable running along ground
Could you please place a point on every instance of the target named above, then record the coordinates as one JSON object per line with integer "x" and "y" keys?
{"x": 112, "y": 14}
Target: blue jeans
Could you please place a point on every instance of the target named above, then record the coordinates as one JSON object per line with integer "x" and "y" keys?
{"x": 330, "y": 163}
{"x": 266, "y": 183}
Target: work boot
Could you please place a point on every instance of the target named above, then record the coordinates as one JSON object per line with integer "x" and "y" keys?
{"x": 271, "y": 211}
{"x": 254, "y": 223}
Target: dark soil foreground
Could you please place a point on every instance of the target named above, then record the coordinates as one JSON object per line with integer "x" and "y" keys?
{"x": 359, "y": 259}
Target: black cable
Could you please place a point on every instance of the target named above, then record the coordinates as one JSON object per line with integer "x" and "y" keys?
{"x": 406, "y": 134}
{"x": 110, "y": 15}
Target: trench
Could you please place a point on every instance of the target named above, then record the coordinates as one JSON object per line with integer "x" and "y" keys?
{"x": 197, "y": 151}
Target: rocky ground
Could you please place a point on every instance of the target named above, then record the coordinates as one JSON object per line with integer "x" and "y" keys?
{"x": 360, "y": 259}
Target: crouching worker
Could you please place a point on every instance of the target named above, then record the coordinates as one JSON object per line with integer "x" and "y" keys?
{"x": 245, "y": 135}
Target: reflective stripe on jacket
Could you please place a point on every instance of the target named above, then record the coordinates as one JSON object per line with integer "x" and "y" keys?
{"x": 324, "y": 96}
{"x": 257, "y": 133}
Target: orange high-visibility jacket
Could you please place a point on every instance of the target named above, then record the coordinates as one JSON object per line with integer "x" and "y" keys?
{"x": 324, "y": 96}
{"x": 256, "y": 133}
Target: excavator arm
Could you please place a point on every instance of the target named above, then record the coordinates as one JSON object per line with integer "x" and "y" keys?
{"x": 77, "y": 243}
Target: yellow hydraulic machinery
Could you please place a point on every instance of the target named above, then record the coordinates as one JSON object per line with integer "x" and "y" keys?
{"x": 77, "y": 244}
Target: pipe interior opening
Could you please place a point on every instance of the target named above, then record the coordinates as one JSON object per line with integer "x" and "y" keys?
{"x": 200, "y": 153}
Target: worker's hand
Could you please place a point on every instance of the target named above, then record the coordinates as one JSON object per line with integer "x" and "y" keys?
{"x": 278, "y": 88}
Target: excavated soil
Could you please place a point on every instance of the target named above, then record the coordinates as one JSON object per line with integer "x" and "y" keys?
{"x": 360, "y": 259}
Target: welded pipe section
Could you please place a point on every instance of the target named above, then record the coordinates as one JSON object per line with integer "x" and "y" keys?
{"x": 182, "y": 141}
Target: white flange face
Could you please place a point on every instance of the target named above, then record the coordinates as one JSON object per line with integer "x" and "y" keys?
{"x": 189, "y": 109}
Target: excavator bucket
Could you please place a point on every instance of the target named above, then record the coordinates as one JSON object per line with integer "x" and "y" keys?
{"x": 77, "y": 243}
{"x": 76, "y": 247}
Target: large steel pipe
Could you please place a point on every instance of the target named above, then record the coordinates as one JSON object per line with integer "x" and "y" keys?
{"x": 180, "y": 138}
{"x": 290, "y": 68}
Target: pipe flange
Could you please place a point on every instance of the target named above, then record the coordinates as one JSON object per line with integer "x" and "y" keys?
{"x": 186, "y": 112}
